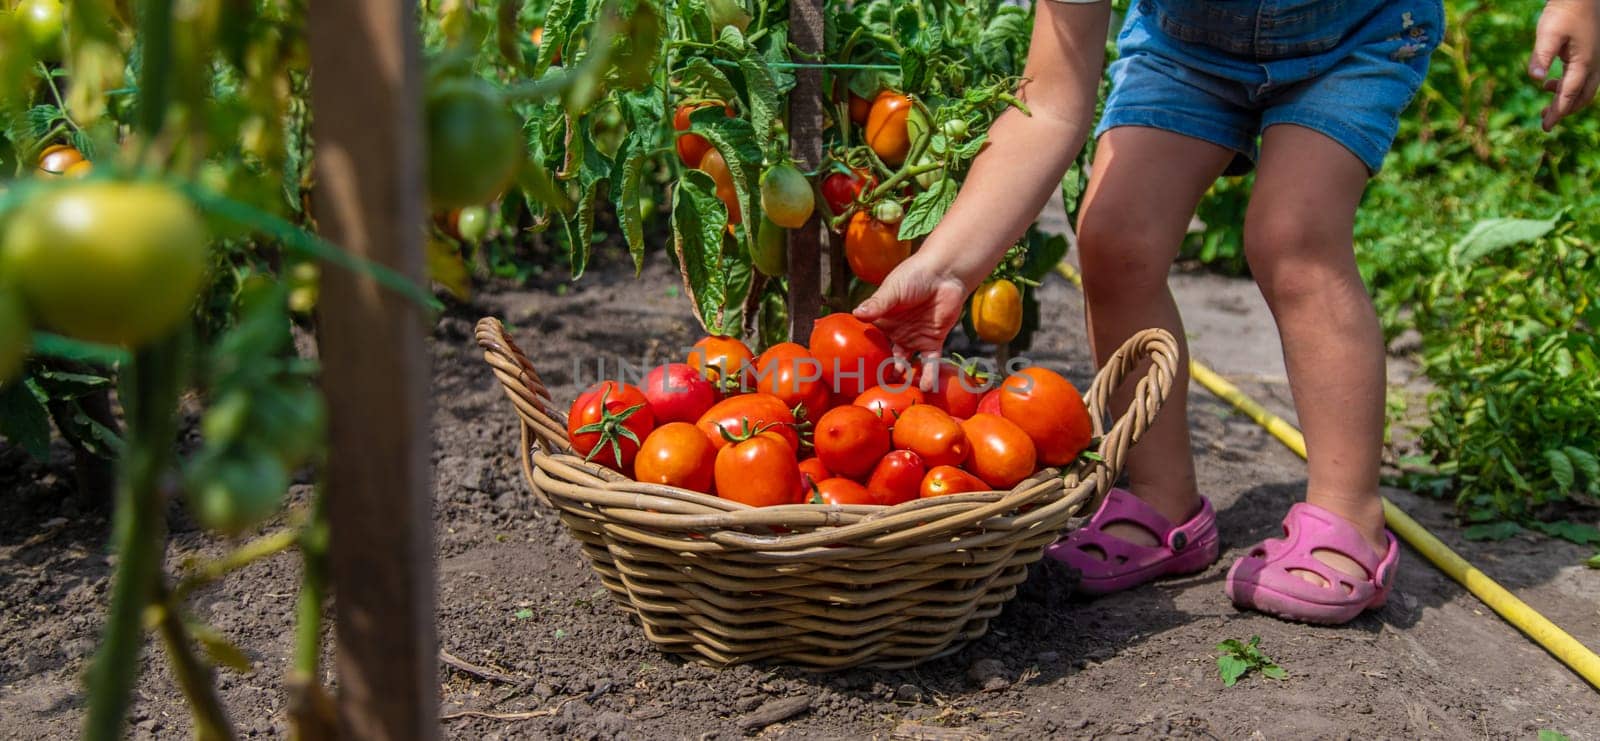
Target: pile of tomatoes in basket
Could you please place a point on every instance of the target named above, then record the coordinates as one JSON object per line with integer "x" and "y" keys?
{"x": 840, "y": 422}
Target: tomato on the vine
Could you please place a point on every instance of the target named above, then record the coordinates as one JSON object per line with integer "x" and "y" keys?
{"x": 897, "y": 477}
{"x": 850, "y": 440}
{"x": 786, "y": 197}
{"x": 676, "y": 454}
{"x": 724, "y": 361}
{"x": 474, "y": 143}
{"x": 886, "y": 127}
{"x": 957, "y": 389}
{"x": 738, "y": 415}
{"x": 760, "y": 471}
{"x": 106, "y": 261}
{"x": 714, "y": 165}
{"x": 997, "y": 311}
{"x": 932, "y": 434}
{"x": 786, "y": 370}
{"x": 769, "y": 251}
{"x": 678, "y": 393}
{"x": 840, "y": 492}
{"x": 839, "y": 190}
{"x": 1002, "y": 454}
{"x": 889, "y": 402}
{"x": 855, "y": 355}
{"x": 942, "y": 480}
{"x": 1050, "y": 410}
{"x": 692, "y": 147}
{"x": 56, "y": 159}
{"x": 860, "y": 109}
{"x": 472, "y": 223}
{"x": 608, "y": 422}
{"x": 888, "y": 211}
{"x": 42, "y": 22}
{"x": 873, "y": 248}
{"x": 813, "y": 472}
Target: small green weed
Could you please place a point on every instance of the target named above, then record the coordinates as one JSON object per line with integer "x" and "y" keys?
{"x": 1239, "y": 659}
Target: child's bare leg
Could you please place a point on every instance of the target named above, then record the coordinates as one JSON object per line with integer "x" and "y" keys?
{"x": 1142, "y": 191}
{"x": 1298, "y": 242}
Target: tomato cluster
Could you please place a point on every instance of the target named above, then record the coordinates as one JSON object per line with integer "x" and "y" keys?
{"x": 839, "y": 422}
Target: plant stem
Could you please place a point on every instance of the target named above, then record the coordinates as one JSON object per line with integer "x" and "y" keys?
{"x": 313, "y": 541}
{"x": 255, "y": 550}
{"x": 194, "y": 677}
{"x": 152, "y": 383}
{"x": 61, "y": 103}
{"x": 154, "y": 26}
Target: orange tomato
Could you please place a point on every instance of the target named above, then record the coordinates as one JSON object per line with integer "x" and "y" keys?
{"x": 692, "y": 148}
{"x": 887, "y": 133}
{"x": 725, "y": 361}
{"x": 812, "y": 472}
{"x": 873, "y": 248}
{"x": 860, "y": 109}
{"x": 1050, "y": 410}
{"x": 1002, "y": 454}
{"x": 676, "y": 454}
{"x": 942, "y": 480}
{"x": 850, "y": 440}
{"x": 760, "y": 472}
{"x": 714, "y": 165}
{"x": 932, "y": 434}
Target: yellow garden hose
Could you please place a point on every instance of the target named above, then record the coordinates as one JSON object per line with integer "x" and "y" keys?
{"x": 1558, "y": 642}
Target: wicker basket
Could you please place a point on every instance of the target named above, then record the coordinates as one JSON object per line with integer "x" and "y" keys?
{"x": 812, "y": 585}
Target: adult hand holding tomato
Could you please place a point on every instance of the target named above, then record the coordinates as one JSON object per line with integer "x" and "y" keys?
{"x": 916, "y": 306}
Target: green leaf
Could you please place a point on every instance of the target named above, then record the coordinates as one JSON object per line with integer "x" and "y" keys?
{"x": 559, "y": 23}
{"x": 765, "y": 105}
{"x": 630, "y": 166}
{"x": 1586, "y": 462}
{"x": 1491, "y": 235}
{"x": 695, "y": 19}
{"x": 1546, "y": 734}
{"x": 1274, "y": 671}
{"x": 1561, "y": 469}
{"x": 927, "y": 209}
{"x": 522, "y": 614}
{"x": 701, "y": 75}
{"x": 698, "y": 220}
{"x": 220, "y": 650}
{"x": 1573, "y": 532}
{"x": 1593, "y": 562}
{"x": 1044, "y": 254}
{"x": 735, "y": 139}
{"x": 1231, "y": 669}
{"x": 1492, "y": 530}
{"x": 24, "y": 419}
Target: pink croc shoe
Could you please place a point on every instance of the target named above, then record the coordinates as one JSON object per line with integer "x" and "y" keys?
{"x": 1110, "y": 564}
{"x": 1267, "y": 578}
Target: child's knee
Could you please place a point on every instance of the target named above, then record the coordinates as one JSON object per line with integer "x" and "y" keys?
{"x": 1122, "y": 252}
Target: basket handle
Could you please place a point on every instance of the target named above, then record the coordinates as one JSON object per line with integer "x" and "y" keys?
{"x": 522, "y": 384}
{"x": 1159, "y": 348}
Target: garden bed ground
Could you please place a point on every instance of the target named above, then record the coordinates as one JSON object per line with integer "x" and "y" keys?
{"x": 514, "y": 595}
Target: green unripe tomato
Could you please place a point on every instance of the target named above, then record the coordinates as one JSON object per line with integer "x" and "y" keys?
{"x": 472, "y": 224}
{"x": 107, "y": 261}
{"x": 726, "y": 13}
{"x": 236, "y": 490}
{"x": 769, "y": 252}
{"x": 41, "y": 22}
{"x": 474, "y": 143}
{"x": 888, "y": 211}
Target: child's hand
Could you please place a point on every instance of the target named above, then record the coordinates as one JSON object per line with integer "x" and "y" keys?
{"x": 1569, "y": 29}
{"x": 917, "y": 305}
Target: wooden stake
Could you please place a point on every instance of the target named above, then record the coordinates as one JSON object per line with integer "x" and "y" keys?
{"x": 805, "y": 145}
{"x": 366, "y": 97}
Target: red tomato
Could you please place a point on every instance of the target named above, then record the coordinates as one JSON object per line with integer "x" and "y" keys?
{"x": 790, "y": 373}
{"x": 932, "y": 434}
{"x": 860, "y": 108}
{"x": 889, "y": 402}
{"x": 897, "y": 478}
{"x": 1002, "y": 454}
{"x": 692, "y": 147}
{"x": 956, "y": 390}
{"x": 760, "y": 472}
{"x": 840, "y": 492}
{"x": 714, "y": 165}
{"x": 942, "y": 480}
{"x": 725, "y": 361}
{"x": 850, "y": 440}
{"x": 747, "y": 412}
{"x": 840, "y": 190}
{"x": 678, "y": 393}
{"x": 873, "y": 248}
{"x": 990, "y": 403}
{"x": 676, "y": 454}
{"x": 1050, "y": 410}
{"x": 855, "y": 355}
{"x": 886, "y": 127}
{"x": 608, "y": 423}
{"x": 813, "y": 472}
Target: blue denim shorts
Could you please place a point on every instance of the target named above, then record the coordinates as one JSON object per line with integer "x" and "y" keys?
{"x": 1224, "y": 70}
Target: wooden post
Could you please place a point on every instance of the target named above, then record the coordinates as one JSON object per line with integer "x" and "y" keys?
{"x": 805, "y": 145}
{"x": 367, "y": 105}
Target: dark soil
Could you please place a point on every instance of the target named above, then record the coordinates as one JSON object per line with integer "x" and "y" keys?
{"x": 515, "y": 597}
